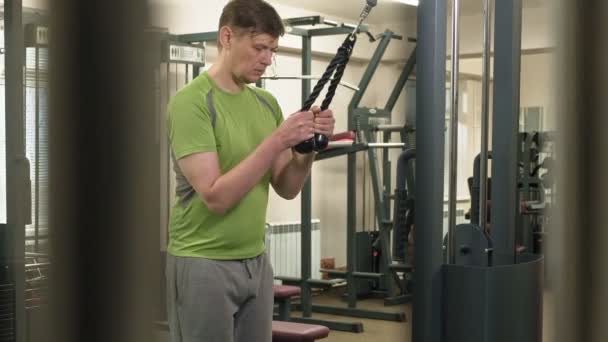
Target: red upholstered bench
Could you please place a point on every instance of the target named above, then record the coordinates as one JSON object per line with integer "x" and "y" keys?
{"x": 297, "y": 332}
{"x": 285, "y": 291}
{"x": 282, "y": 296}
{"x": 284, "y": 331}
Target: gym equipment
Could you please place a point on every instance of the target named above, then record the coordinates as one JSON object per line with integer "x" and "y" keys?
{"x": 282, "y": 329}
{"x": 453, "y": 129}
{"x": 532, "y": 193}
{"x": 467, "y": 299}
{"x": 307, "y": 77}
{"x": 485, "y": 108}
{"x": 352, "y": 273}
{"x": 363, "y": 121}
{"x": 282, "y": 297}
{"x": 297, "y": 332}
{"x": 337, "y": 66}
{"x": 403, "y": 222}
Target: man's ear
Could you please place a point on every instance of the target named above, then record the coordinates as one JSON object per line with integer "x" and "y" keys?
{"x": 225, "y": 36}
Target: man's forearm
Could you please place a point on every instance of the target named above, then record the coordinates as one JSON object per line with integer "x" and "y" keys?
{"x": 295, "y": 174}
{"x": 231, "y": 187}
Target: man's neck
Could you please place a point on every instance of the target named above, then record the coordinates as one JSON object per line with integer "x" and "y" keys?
{"x": 223, "y": 78}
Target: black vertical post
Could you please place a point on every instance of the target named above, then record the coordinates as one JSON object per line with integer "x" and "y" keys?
{"x": 430, "y": 137}
{"x": 306, "y": 192}
{"x": 351, "y": 226}
{"x": 104, "y": 174}
{"x": 507, "y": 58}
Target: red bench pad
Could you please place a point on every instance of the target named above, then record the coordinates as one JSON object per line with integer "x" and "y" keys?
{"x": 285, "y": 291}
{"x": 297, "y": 332}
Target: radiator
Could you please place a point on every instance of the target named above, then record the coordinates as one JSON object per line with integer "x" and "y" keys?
{"x": 283, "y": 246}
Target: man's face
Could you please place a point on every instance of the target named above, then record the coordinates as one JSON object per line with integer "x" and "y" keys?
{"x": 251, "y": 54}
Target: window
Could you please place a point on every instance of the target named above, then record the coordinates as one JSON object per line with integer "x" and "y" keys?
{"x": 36, "y": 145}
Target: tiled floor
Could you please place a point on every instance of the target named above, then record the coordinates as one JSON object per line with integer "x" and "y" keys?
{"x": 385, "y": 331}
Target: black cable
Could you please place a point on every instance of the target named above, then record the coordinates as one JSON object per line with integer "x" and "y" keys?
{"x": 337, "y": 65}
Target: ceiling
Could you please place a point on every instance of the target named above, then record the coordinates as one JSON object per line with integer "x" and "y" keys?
{"x": 386, "y": 11}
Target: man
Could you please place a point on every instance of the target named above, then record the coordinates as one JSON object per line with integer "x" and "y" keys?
{"x": 229, "y": 141}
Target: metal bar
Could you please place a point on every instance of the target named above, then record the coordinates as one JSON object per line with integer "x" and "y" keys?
{"x": 306, "y": 197}
{"x": 351, "y": 226}
{"x": 507, "y": 48}
{"x": 36, "y": 214}
{"x": 334, "y": 31}
{"x": 330, "y": 22}
{"x": 308, "y": 77}
{"x": 338, "y": 152}
{"x": 167, "y": 146}
{"x": 375, "y": 175}
{"x": 359, "y": 313}
{"x": 398, "y": 300}
{"x": 427, "y": 324}
{"x": 390, "y": 282}
{"x": 485, "y": 112}
{"x": 380, "y": 207}
{"x": 198, "y": 37}
{"x": 339, "y": 148}
{"x": 385, "y": 145}
{"x": 303, "y": 21}
{"x": 168, "y": 80}
{"x": 405, "y": 75}
{"x": 371, "y": 69}
{"x": 454, "y": 131}
{"x": 386, "y": 176}
{"x": 40, "y": 255}
{"x": 17, "y": 170}
{"x": 296, "y": 31}
{"x": 354, "y": 327}
{"x": 389, "y": 128}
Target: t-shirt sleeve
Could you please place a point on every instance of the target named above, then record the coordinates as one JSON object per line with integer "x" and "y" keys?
{"x": 189, "y": 125}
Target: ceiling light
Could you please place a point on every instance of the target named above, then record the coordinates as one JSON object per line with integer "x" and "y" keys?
{"x": 407, "y": 2}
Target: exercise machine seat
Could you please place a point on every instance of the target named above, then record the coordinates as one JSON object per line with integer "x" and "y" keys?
{"x": 297, "y": 332}
{"x": 285, "y": 291}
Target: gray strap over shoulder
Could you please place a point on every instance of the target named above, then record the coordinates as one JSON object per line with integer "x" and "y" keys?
{"x": 211, "y": 107}
{"x": 184, "y": 190}
{"x": 265, "y": 102}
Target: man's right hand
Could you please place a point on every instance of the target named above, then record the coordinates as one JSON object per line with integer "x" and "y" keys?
{"x": 296, "y": 128}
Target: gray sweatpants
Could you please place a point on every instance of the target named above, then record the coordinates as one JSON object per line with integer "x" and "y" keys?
{"x": 219, "y": 301}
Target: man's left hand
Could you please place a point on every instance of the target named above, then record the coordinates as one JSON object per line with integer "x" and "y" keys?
{"x": 324, "y": 121}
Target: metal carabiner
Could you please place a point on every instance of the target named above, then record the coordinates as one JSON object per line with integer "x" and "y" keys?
{"x": 366, "y": 11}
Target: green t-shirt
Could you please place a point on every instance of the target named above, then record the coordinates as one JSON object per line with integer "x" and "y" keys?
{"x": 204, "y": 118}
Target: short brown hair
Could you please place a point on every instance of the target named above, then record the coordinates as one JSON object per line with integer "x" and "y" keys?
{"x": 256, "y": 16}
